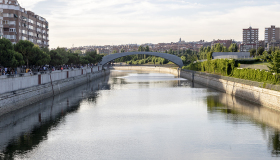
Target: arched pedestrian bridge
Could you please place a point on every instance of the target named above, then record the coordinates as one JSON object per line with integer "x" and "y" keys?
{"x": 175, "y": 59}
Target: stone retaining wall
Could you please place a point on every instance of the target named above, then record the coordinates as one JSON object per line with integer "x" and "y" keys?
{"x": 16, "y": 99}
{"x": 248, "y": 91}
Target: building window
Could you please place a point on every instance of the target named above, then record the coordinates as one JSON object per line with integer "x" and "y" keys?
{"x": 10, "y": 36}
{"x": 5, "y": 14}
{"x": 12, "y": 30}
{"x": 12, "y": 23}
{"x": 30, "y": 21}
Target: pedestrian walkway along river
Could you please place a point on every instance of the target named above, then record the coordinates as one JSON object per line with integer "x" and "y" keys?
{"x": 140, "y": 115}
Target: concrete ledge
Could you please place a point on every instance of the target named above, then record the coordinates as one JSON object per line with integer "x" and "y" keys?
{"x": 14, "y": 100}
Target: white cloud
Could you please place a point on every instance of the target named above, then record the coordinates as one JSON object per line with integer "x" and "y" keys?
{"x": 29, "y": 4}
{"x": 98, "y": 22}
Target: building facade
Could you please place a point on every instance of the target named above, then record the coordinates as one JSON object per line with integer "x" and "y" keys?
{"x": 272, "y": 37}
{"x": 250, "y": 39}
{"x": 250, "y": 35}
{"x": 19, "y": 24}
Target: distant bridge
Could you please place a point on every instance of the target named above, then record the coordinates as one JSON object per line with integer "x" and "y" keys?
{"x": 175, "y": 59}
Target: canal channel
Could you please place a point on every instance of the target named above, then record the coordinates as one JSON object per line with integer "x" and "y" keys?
{"x": 141, "y": 115}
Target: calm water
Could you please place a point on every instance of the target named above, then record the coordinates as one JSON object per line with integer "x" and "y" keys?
{"x": 132, "y": 115}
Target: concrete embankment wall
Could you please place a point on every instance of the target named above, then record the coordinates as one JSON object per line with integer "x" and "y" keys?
{"x": 244, "y": 89}
{"x": 26, "y": 119}
{"x": 247, "y": 91}
{"x": 23, "y": 91}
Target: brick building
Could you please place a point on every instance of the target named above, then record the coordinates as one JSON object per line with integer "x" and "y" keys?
{"x": 250, "y": 35}
{"x": 19, "y": 24}
{"x": 272, "y": 37}
{"x": 250, "y": 39}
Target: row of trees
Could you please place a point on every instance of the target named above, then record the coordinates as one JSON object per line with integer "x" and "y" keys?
{"x": 26, "y": 53}
{"x": 261, "y": 51}
{"x": 203, "y": 51}
{"x": 228, "y": 67}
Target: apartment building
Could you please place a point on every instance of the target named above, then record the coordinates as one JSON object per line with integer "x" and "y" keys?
{"x": 272, "y": 36}
{"x": 18, "y": 24}
{"x": 250, "y": 39}
{"x": 250, "y": 35}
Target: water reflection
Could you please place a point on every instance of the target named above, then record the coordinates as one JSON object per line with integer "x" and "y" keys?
{"x": 237, "y": 110}
{"x": 24, "y": 129}
{"x": 140, "y": 116}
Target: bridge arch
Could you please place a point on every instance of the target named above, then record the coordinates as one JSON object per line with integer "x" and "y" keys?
{"x": 175, "y": 59}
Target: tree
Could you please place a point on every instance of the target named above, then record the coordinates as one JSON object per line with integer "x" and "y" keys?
{"x": 46, "y": 50}
{"x": 8, "y": 57}
{"x": 141, "y": 49}
{"x": 73, "y": 58}
{"x": 147, "y": 49}
{"x": 225, "y": 49}
{"x": 260, "y": 51}
{"x": 233, "y": 48}
{"x": 218, "y": 47}
{"x": 84, "y": 60}
{"x": 265, "y": 57}
{"x": 64, "y": 54}
{"x": 93, "y": 57}
{"x": 56, "y": 58}
{"x": 122, "y": 50}
{"x": 25, "y": 48}
{"x": 252, "y": 52}
{"x": 78, "y": 52}
{"x": 274, "y": 66}
{"x": 19, "y": 59}
{"x": 39, "y": 57}
{"x": 184, "y": 59}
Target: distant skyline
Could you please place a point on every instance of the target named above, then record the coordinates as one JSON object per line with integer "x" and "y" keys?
{"x": 107, "y": 22}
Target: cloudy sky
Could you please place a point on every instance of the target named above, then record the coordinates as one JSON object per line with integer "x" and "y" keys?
{"x": 101, "y": 22}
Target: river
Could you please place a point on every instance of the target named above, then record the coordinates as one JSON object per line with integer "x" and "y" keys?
{"x": 141, "y": 115}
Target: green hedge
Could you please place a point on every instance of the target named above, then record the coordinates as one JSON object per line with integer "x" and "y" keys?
{"x": 224, "y": 67}
{"x": 193, "y": 66}
{"x": 255, "y": 75}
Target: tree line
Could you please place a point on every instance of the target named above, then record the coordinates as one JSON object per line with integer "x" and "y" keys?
{"x": 230, "y": 67}
{"x": 26, "y": 53}
{"x": 218, "y": 47}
